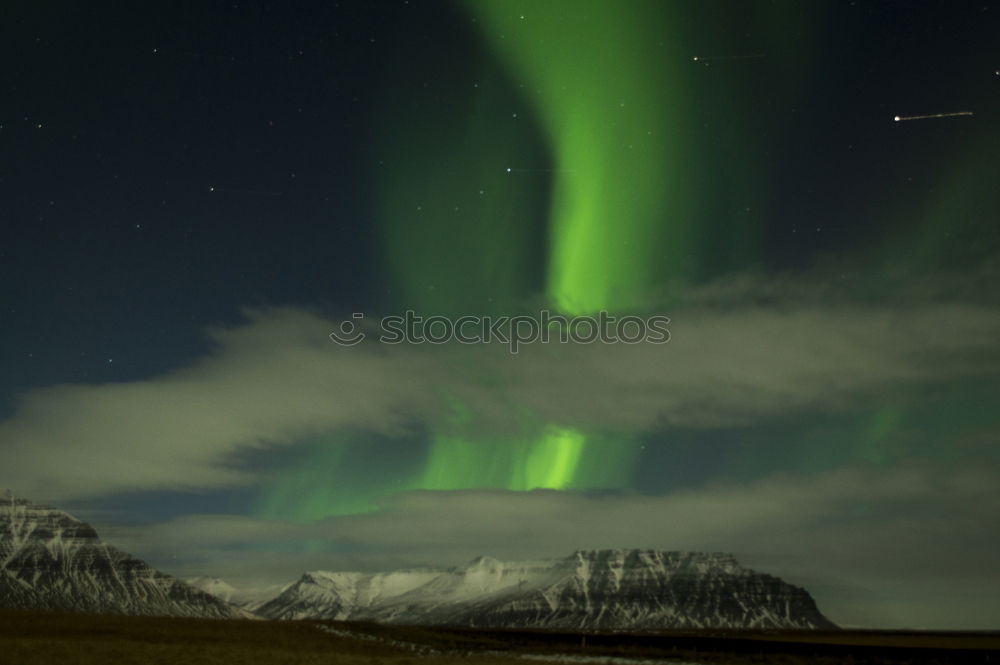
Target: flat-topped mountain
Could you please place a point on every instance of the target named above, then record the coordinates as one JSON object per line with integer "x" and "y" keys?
{"x": 601, "y": 589}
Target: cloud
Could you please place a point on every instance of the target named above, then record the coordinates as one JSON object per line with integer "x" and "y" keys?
{"x": 277, "y": 379}
{"x": 269, "y": 382}
{"x": 878, "y": 549}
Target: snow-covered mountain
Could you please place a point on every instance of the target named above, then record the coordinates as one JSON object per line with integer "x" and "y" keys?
{"x": 325, "y": 595}
{"x": 49, "y": 560}
{"x": 602, "y": 589}
{"x": 248, "y": 599}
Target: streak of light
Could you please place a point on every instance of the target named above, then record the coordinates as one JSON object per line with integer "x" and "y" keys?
{"x": 709, "y": 58}
{"x": 956, "y": 114}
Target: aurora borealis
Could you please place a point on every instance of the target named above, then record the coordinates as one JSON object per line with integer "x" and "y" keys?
{"x": 618, "y": 222}
{"x": 198, "y": 197}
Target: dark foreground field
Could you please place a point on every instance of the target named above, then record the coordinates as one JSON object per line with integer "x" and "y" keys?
{"x": 33, "y": 638}
{"x": 736, "y": 647}
{"x": 64, "y": 639}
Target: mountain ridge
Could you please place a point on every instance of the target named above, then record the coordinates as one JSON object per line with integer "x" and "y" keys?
{"x": 50, "y": 560}
{"x": 589, "y": 589}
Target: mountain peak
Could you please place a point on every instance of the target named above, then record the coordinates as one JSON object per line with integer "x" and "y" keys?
{"x": 487, "y": 562}
{"x": 50, "y": 560}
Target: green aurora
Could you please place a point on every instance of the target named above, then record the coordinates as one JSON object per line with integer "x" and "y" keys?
{"x": 619, "y": 219}
{"x": 606, "y": 126}
{"x": 462, "y": 234}
{"x": 602, "y": 204}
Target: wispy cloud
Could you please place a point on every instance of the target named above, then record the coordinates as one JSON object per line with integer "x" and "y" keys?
{"x": 732, "y": 359}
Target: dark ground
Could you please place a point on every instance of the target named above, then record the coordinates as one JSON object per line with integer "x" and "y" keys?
{"x": 32, "y": 638}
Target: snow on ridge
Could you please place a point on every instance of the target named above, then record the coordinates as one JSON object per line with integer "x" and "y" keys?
{"x": 623, "y": 588}
{"x": 50, "y": 560}
{"x": 212, "y": 585}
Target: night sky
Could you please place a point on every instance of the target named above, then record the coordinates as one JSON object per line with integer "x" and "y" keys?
{"x": 196, "y": 194}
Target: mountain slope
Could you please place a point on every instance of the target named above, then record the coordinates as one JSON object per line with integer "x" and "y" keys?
{"x": 603, "y": 589}
{"x": 248, "y": 599}
{"x": 340, "y": 596}
{"x": 50, "y": 560}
